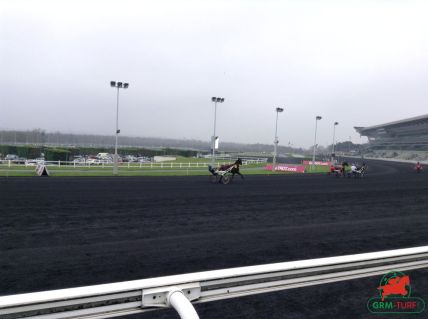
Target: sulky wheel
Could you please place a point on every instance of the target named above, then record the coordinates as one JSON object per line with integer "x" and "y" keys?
{"x": 226, "y": 179}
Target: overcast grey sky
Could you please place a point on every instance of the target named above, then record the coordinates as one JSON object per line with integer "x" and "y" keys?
{"x": 356, "y": 62}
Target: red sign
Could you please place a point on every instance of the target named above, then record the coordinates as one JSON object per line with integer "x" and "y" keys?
{"x": 317, "y": 163}
{"x": 287, "y": 168}
{"x": 395, "y": 286}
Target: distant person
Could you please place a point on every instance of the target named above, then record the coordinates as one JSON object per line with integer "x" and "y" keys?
{"x": 418, "y": 167}
{"x": 343, "y": 168}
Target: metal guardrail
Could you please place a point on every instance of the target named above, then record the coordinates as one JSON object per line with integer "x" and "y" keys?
{"x": 131, "y": 297}
{"x": 394, "y": 160}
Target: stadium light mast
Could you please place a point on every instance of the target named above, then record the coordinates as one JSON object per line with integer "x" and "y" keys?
{"x": 317, "y": 118}
{"x": 334, "y": 141}
{"x": 214, "y": 137}
{"x": 275, "y": 142}
{"x": 118, "y": 85}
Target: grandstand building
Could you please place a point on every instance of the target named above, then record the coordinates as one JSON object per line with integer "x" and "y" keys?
{"x": 408, "y": 135}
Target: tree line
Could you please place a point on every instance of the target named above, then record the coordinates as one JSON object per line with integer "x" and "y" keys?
{"x": 40, "y": 137}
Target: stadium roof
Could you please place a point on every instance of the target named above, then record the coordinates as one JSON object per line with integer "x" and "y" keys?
{"x": 410, "y": 126}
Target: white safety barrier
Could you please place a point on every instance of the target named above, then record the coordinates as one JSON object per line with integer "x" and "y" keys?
{"x": 106, "y": 163}
{"x": 124, "y": 298}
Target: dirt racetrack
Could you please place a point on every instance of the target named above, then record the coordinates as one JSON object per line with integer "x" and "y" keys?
{"x": 67, "y": 232}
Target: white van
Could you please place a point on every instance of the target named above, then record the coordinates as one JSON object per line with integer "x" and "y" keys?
{"x": 11, "y": 157}
{"x": 104, "y": 156}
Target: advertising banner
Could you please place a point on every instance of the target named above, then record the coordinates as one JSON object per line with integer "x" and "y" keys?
{"x": 287, "y": 168}
{"x": 317, "y": 163}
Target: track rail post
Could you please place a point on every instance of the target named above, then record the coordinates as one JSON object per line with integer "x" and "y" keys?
{"x": 182, "y": 305}
{"x": 177, "y": 297}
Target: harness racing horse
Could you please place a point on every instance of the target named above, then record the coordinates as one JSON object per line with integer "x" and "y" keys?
{"x": 225, "y": 173}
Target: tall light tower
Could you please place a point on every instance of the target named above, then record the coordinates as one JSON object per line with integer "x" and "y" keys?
{"x": 118, "y": 85}
{"x": 214, "y": 137}
{"x": 275, "y": 142}
{"x": 334, "y": 141}
{"x": 317, "y": 118}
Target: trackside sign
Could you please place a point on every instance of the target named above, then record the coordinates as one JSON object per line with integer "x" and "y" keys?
{"x": 287, "y": 168}
{"x": 42, "y": 170}
{"x": 317, "y": 163}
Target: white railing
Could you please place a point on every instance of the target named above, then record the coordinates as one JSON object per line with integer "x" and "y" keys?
{"x": 124, "y": 298}
{"x": 102, "y": 163}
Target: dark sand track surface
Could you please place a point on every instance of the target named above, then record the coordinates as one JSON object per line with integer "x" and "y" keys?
{"x": 67, "y": 232}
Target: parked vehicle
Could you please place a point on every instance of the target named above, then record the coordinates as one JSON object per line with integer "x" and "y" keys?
{"x": 34, "y": 162}
{"x": 93, "y": 160}
{"x": 129, "y": 158}
{"x": 104, "y": 156}
{"x": 15, "y": 159}
{"x": 11, "y": 157}
{"x": 143, "y": 159}
{"x": 79, "y": 160}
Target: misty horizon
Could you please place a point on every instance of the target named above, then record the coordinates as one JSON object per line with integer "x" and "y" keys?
{"x": 156, "y": 139}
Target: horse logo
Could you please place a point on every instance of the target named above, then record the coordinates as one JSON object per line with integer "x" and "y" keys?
{"x": 394, "y": 284}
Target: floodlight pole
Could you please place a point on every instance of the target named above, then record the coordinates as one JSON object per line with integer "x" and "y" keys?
{"x": 275, "y": 142}
{"x": 213, "y": 139}
{"x": 117, "y": 134}
{"x": 334, "y": 140}
{"x": 118, "y": 85}
{"x": 317, "y": 118}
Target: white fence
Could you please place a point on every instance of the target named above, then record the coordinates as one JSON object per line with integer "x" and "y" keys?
{"x": 104, "y": 163}
{"x": 125, "y": 298}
